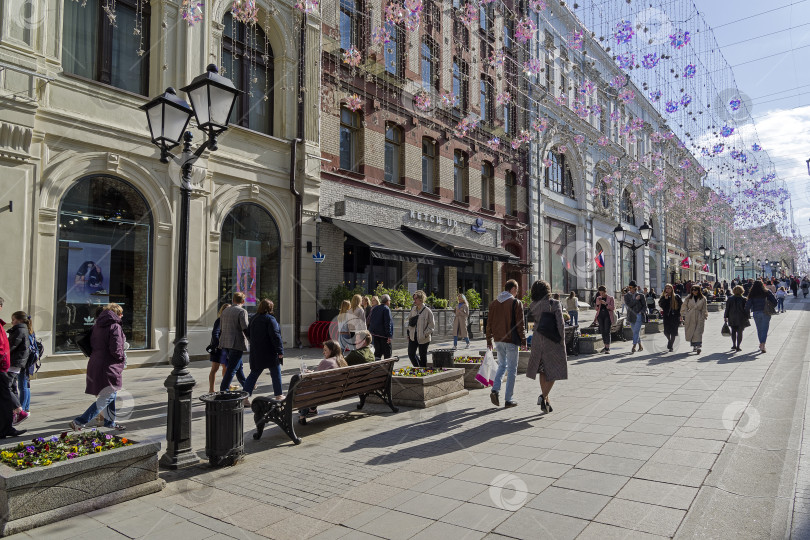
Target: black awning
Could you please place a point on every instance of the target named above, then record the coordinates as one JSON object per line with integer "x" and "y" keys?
{"x": 465, "y": 247}
{"x": 395, "y": 245}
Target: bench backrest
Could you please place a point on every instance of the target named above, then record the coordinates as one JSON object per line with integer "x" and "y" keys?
{"x": 321, "y": 387}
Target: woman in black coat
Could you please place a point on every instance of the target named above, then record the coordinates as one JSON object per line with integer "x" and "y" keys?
{"x": 670, "y": 304}
{"x": 266, "y": 349}
{"x": 736, "y": 316}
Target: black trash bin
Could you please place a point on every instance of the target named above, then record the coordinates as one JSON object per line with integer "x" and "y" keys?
{"x": 443, "y": 358}
{"x": 224, "y": 437}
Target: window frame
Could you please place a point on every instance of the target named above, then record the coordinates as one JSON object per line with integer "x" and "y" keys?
{"x": 397, "y": 48}
{"x": 627, "y": 212}
{"x": 354, "y": 130}
{"x": 354, "y": 13}
{"x": 558, "y": 177}
{"x": 431, "y": 182}
{"x": 431, "y": 61}
{"x": 487, "y": 186}
{"x": 510, "y": 194}
{"x": 460, "y": 74}
{"x": 486, "y": 99}
{"x": 461, "y": 176}
{"x": 396, "y": 149}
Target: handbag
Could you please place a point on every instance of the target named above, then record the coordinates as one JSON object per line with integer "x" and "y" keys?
{"x": 547, "y": 326}
{"x": 487, "y": 371}
{"x": 83, "y": 342}
{"x": 770, "y": 309}
{"x": 415, "y": 319}
{"x": 726, "y": 331}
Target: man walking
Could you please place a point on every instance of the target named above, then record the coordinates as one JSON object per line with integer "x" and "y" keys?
{"x": 506, "y": 328}
{"x": 234, "y": 324}
{"x": 381, "y": 326}
{"x": 636, "y": 307}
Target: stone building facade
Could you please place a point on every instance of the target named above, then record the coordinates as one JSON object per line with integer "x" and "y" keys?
{"x": 95, "y": 213}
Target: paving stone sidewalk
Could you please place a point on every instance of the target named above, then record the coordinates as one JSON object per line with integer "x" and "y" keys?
{"x": 644, "y": 445}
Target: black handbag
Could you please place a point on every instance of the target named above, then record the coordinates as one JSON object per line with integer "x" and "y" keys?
{"x": 415, "y": 319}
{"x": 547, "y": 326}
{"x": 83, "y": 342}
{"x": 726, "y": 331}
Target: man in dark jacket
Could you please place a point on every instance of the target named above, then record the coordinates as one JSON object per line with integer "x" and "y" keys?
{"x": 233, "y": 338}
{"x": 381, "y": 326}
{"x": 505, "y": 327}
{"x": 362, "y": 353}
{"x": 636, "y": 308}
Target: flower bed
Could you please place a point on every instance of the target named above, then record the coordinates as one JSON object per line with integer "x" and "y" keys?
{"x": 42, "y": 452}
{"x": 72, "y": 477}
{"x": 589, "y": 343}
{"x": 467, "y": 360}
{"x": 470, "y": 365}
{"x": 431, "y": 387}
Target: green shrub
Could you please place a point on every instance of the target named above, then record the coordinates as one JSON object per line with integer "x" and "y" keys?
{"x": 400, "y": 297}
{"x": 338, "y": 294}
{"x": 473, "y": 298}
{"x": 436, "y": 303}
{"x": 527, "y": 298}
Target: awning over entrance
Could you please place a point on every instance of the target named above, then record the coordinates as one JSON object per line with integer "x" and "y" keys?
{"x": 395, "y": 245}
{"x": 466, "y": 248}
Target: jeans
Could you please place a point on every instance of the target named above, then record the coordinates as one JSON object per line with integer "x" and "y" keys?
{"x": 106, "y": 403}
{"x": 275, "y": 374}
{"x": 780, "y": 305}
{"x": 234, "y": 366}
{"x": 763, "y": 321}
{"x": 507, "y": 362}
{"x": 636, "y": 326}
{"x": 455, "y": 341}
{"x": 25, "y": 392}
{"x": 421, "y": 360}
{"x": 574, "y": 317}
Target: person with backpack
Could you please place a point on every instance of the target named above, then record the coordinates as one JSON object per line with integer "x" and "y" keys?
{"x": 24, "y": 357}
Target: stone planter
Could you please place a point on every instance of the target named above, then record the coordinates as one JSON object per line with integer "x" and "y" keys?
{"x": 589, "y": 344}
{"x": 470, "y": 371}
{"x": 627, "y": 333}
{"x": 523, "y": 361}
{"x": 654, "y": 327}
{"x": 41, "y": 495}
{"x": 422, "y": 392}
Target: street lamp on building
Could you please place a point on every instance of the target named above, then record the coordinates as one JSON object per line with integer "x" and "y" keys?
{"x": 620, "y": 234}
{"x": 708, "y": 253}
{"x": 212, "y": 99}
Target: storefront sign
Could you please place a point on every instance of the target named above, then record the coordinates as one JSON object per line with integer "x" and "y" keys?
{"x": 478, "y": 226}
{"x": 432, "y": 218}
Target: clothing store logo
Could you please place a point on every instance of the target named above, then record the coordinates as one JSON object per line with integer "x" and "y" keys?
{"x": 432, "y": 218}
{"x": 478, "y": 226}
{"x": 88, "y": 321}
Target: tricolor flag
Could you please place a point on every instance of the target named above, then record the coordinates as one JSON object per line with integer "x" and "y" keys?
{"x": 566, "y": 264}
{"x": 705, "y": 268}
{"x": 600, "y": 259}
{"x": 686, "y": 263}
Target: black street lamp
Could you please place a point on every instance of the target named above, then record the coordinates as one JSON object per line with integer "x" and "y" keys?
{"x": 646, "y": 233}
{"x": 739, "y": 260}
{"x": 708, "y": 253}
{"x": 212, "y": 99}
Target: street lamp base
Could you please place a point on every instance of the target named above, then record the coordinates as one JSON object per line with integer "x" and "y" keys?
{"x": 179, "y": 461}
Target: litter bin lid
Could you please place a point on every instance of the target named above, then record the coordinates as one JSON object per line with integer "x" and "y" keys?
{"x": 224, "y": 396}
{"x": 434, "y": 351}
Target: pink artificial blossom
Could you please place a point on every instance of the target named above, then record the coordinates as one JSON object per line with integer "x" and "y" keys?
{"x": 525, "y": 30}
{"x": 469, "y": 15}
{"x": 494, "y": 143}
{"x": 612, "y": 160}
{"x": 354, "y": 103}
{"x": 532, "y": 67}
{"x": 380, "y": 35}
{"x": 603, "y": 141}
{"x": 192, "y": 11}
{"x": 245, "y": 11}
{"x": 352, "y": 56}
{"x": 422, "y": 100}
{"x": 497, "y": 58}
{"x": 307, "y": 6}
{"x": 503, "y": 98}
{"x": 562, "y": 149}
{"x": 547, "y": 162}
{"x": 579, "y": 139}
{"x": 447, "y": 99}
{"x": 538, "y": 5}
{"x": 626, "y": 95}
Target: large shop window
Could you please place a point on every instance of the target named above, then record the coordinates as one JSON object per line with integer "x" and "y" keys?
{"x": 249, "y": 256}
{"x": 94, "y": 48}
{"x": 560, "y": 265}
{"x": 478, "y": 276}
{"x": 430, "y": 278}
{"x": 247, "y": 60}
{"x": 104, "y": 255}
{"x": 361, "y": 269}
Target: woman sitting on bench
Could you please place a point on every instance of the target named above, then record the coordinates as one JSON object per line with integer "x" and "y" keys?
{"x": 332, "y": 359}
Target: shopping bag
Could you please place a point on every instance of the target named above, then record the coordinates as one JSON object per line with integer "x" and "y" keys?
{"x": 486, "y": 373}
{"x": 726, "y": 331}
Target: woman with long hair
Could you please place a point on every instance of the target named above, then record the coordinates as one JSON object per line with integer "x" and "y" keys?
{"x": 572, "y": 306}
{"x": 547, "y": 356}
{"x": 332, "y": 359}
{"x": 19, "y": 340}
{"x": 670, "y": 304}
{"x": 758, "y": 297}
{"x": 736, "y": 317}
{"x": 605, "y": 316}
{"x": 343, "y": 325}
{"x": 462, "y": 312}
{"x": 695, "y": 314}
{"x": 357, "y": 314}
{"x": 266, "y": 349}
{"x": 217, "y": 355}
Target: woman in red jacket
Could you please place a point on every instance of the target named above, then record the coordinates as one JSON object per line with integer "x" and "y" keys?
{"x": 9, "y": 405}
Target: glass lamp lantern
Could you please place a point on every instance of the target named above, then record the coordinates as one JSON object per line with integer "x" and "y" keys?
{"x": 646, "y": 232}
{"x": 168, "y": 117}
{"x": 722, "y": 251}
{"x": 619, "y": 233}
{"x": 707, "y": 252}
{"x": 212, "y": 98}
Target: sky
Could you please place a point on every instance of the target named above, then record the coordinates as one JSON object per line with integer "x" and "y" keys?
{"x": 779, "y": 85}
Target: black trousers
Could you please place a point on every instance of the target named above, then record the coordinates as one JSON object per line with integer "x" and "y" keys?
{"x": 382, "y": 349}
{"x": 736, "y": 335}
{"x": 604, "y": 326}
{"x": 8, "y": 404}
{"x": 421, "y": 360}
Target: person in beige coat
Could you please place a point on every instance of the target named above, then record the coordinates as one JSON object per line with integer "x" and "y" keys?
{"x": 460, "y": 322}
{"x": 420, "y": 328}
{"x": 694, "y": 313}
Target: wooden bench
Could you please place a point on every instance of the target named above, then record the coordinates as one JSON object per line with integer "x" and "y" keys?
{"x": 322, "y": 387}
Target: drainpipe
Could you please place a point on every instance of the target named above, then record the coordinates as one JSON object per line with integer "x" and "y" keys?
{"x": 299, "y": 200}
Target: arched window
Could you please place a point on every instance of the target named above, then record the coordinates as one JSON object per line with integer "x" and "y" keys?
{"x": 628, "y": 214}
{"x": 558, "y": 175}
{"x": 487, "y": 186}
{"x": 393, "y": 154}
{"x": 247, "y": 60}
{"x": 95, "y": 48}
{"x": 104, "y": 255}
{"x": 249, "y": 256}
{"x": 604, "y": 196}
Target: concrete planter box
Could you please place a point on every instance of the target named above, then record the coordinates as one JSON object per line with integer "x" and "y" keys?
{"x": 470, "y": 371}
{"x": 589, "y": 344}
{"x": 523, "y": 361}
{"x": 653, "y": 327}
{"x": 627, "y": 333}
{"x": 422, "y": 392}
{"x": 41, "y": 495}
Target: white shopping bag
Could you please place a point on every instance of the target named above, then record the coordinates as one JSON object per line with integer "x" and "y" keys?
{"x": 487, "y": 371}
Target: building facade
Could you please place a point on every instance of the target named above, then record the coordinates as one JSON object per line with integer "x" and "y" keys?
{"x": 95, "y": 213}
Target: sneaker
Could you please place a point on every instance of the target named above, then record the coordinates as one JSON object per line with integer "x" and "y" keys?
{"x": 20, "y": 417}
{"x": 510, "y": 404}
{"x": 697, "y": 350}
{"x": 493, "y": 397}
{"x": 75, "y": 426}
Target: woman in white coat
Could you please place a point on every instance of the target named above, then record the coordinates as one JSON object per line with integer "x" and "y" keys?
{"x": 460, "y": 322}
{"x": 694, "y": 313}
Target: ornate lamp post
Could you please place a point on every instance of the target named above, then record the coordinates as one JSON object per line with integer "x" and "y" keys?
{"x": 739, "y": 260}
{"x": 708, "y": 253}
{"x": 212, "y": 98}
{"x": 620, "y": 234}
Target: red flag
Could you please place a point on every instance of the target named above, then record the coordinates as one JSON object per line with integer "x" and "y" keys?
{"x": 600, "y": 259}
{"x": 686, "y": 263}
{"x": 705, "y": 268}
